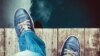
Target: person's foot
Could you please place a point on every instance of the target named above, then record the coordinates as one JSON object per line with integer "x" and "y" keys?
{"x": 22, "y": 21}
{"x": 71, "y": 47}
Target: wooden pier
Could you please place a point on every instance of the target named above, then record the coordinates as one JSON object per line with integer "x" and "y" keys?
{"x": 54, "y": 38}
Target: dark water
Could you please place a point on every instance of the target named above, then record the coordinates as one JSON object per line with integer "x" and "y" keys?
{"x": 66, "y": 13}
{"x": 56, "y": 13}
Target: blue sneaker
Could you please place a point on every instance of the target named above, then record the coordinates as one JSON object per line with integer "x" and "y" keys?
{"x": 22, "y": 21}
{"x": 71, "y": 47}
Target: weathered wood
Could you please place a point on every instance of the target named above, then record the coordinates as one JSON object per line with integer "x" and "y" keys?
{"x": 11, "y": 42}
{"x": 54, "y": 43}
{"x": 63, "y": 34}
{"x": 89, "y": 39}
{"x": 2, "y": 42}
{"x": 49, "y": 36}
{"x": 92, "y": 42}
{"x": 50, "y": 39}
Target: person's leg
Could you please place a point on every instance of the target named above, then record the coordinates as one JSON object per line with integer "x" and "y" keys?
{"x": 71, "y": 47}
{"x": 31, "y": 42}
{"x": 28, "y": 40}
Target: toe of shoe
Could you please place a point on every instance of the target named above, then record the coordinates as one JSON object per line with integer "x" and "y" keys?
{"x": 20, "y": 12}
{"x": 72, "y": 43}
{"x": 73, "y": 40}
{"x": 20, "y": 15}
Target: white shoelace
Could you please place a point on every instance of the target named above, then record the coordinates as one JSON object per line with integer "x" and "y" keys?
{"x": 24, "y": 25}
{"x": 70, "y": 53}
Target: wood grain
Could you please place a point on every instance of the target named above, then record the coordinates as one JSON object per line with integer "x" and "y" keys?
{"x": 11, "y": 42}
{"x": 50, "y": 39}
{"x": 89, "y": 39}
{"x": 92, "y": 42}
{"x": 2, "y": 42}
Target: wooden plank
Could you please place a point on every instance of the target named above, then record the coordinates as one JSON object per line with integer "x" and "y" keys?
{"x": 92, "y": 42}
{"x": 54, "y": 42}
{"x": 11, "y": 42}
{"x": 2, "y": 42}
{"x": 64, "y": 33}
{"x": 50, "y": 39}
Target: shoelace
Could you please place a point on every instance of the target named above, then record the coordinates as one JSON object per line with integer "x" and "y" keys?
{"x": 24, "y": 25}
{"x": 70, "y": 53}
